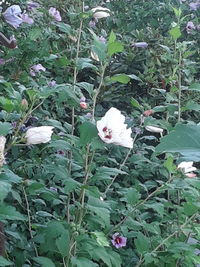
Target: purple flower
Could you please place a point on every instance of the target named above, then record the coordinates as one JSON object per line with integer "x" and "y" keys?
{"x": 190, "y": 26}
{"x": 194, "y": 6}
{"x": 92, "y": 23}
{"x": 102, "y": 39}
{"x": 12, "y": 16}
{"x": 27, "y": 19}
{"x": 2, "y": 61}
{"x": 36, "y": 69}
{"x": 55, "y": 13}
{"x": 61, "y": 152}
{"x": 32, "y": 5}
{"x": 52, "y": 83}
{"x": 118, "y": 241}
{"x": 140, "y": 44}
{"x": 83, "y": 99}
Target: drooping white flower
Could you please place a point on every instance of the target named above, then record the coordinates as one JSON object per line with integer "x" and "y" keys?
{"x": 154, "y": 129}
{"x": 12, "y": 15}
{"x": 187, "y": 166}
{"x": 94, "y": 56}
{"x": 38, "y": 135}
{"x": 100, "y": 12}
{"x": 112, "y": 129}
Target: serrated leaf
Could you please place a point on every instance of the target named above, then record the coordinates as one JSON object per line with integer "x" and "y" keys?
{"x": 63, "y": 27}
{"x": 115, "y": 47}
{"x": 135, "y": 103}
{"x": 194, "y": 87}
{"x": 112, "y": 37}
{"x": 175, "y": 33}
{"x": 45, "y": 262}
{"x": 88, "y": 132}
{"x": 59, "y": 144}
{"x": 5, "y": 128}
{"x": 132, "y": 196}
{"x": 142, "y": 243}
{"x": 5, "y": 188}
{"x": 101, "y": 239}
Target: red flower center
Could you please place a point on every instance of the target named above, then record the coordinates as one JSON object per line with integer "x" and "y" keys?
{"x": 107, "y": 133}
{"x": 118, "y": 240}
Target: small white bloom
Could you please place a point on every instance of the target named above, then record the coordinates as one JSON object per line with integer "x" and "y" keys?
{"x": 112, "y": 129}
{"x": 2, "y": 147}
{"x": 154, "y": 129}
{"x": 100, "y": 12}
{"x": 38, "y": 135}
{"x": 94, "y": 56}
{"x": 186, "y": 166}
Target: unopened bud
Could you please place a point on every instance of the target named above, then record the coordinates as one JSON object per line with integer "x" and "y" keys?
{"x": 24, "y": 104}
{"x": 83, "y": 105}
{"x": 148, "y": 112}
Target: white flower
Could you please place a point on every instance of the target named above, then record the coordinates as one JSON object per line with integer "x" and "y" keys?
{"x": 2, "y": 147}
{"x": 38, "y": 135}
{"x": 100, "y": 12}
{"x": 112, "y": 129}
{"x": 186, "y": 166}
{"x": 154, "y": 129}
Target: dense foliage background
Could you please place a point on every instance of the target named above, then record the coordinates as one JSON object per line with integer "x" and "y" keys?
{"x": 62, "y": 201}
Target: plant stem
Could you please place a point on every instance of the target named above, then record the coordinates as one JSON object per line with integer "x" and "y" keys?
{"x": 29, "y": 220}
{"x": 179, "y": 87}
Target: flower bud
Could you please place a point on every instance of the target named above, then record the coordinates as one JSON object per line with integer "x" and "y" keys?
{"x": 83, "y": 105}
{"x": 24, "y": 104}
{"x": 148, "y": 112}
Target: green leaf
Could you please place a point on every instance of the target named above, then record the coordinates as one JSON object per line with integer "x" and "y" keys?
{"x": 5, "y": 128}
{"x": 122, "y": 78}
{"x": 63, "y": 242}
{"x": 142, "y": 243}
{"x": 45, "y": 262}
{"x": 34, "y": 34}
{"x": 59, "y": 144}
{"x": 175, "y": 33}
{"x": 5, "y": 188}
{"x": 134, "y": 77}
{"x": 63, "y": 27}
{"x": 132, "y": 196}
{"x": 184, "y": 139}
{"x": 177, "y": 12}
{"x": 82, "y": 262}
{"x": 191, "y": 105}
{"x": 194, "y": 87}
{"x": 190, "y": 208}
{"x": 106, "y": 173}
{"x": 112, "y": 37}
{"x": 135, "y": 103}
{"x": 101, "y": 254}
{"x": 9, "y": 176}
{"x": 10, "y": 213}
{"x": 4, "y": 262}
{"x": 88, "y": 131}
{"x": 168, "y": 164}
{"x": 101, "y": 239}
{"x": 115, "y": 47}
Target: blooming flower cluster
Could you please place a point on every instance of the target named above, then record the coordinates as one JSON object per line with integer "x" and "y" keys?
{"x": 112, "y": 129}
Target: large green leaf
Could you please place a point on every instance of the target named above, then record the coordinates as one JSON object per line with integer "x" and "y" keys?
{"x": 45, "y": 262}
{"x": 87, "y": 132}
{"x": 5, "y": 188}
{"x": 184, "y": 139}
{"x": 83, "y": 262}
{"x": 5, "y": 128}
{"x": 4, "y": 262}
{"x": 10, "y": 213}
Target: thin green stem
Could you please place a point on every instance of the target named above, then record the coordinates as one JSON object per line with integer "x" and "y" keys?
{"x": 179, "y": 87}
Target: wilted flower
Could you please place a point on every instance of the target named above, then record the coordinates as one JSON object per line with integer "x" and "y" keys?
{"x": 187, "y": 166}
{"x": 112, "y": 129}
{"x": 2, "y": 61}
{"x": 154, "y": 129}
{"x": 2, "y": 147}
{"x": 36, "y": 68}
{"x": 38, "y": 135}
{"x": 12, "y": 16}
{"x": 118, "y": 241}
{"x": 32, "y": 5}
{"x": 27, "y": 19}
{"x": 92, "y": 23}
{"x": 140, "y": 44}
{"x": 148, "y": 112}
{"x": 194, "y": 5}
{"x": 100, "y": 12}
{"x": 55, "y": 13}
{"x": 190, "y": 26}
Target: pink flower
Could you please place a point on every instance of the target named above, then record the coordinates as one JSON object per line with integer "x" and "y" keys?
{"x": 83, "y": 105}
{"x": 55, "y": 13}
{"x": 118, "y": 241}
{"x": 191, "y": 175}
